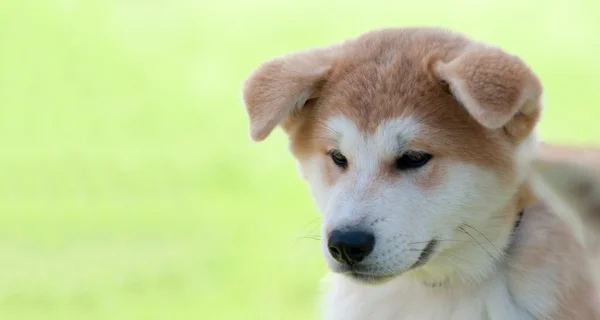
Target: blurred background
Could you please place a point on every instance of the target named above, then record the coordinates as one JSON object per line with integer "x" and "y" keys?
{"x": 129, "y": 188}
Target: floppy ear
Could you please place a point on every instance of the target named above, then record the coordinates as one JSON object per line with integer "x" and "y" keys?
{"x": 496, "y": 88}
{"x": 282, "y": 86}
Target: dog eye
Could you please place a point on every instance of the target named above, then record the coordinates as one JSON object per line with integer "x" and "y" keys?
{"x": 412, "y": 160}
{"x": 339, "y": 159}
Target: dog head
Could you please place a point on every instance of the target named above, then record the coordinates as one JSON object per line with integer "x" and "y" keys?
{"x": 414, "y": 142}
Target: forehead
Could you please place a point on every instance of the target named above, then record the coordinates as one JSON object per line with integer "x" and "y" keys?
{"x": 383, "y": 89}
{"x": 389, "y": 76}
{"x": 393, "y": 100}
{"x": 391, "y": 136}
{"x": 387, "y": 115}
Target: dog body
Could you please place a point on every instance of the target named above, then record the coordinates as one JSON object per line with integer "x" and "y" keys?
{"x": 418, "y": 146}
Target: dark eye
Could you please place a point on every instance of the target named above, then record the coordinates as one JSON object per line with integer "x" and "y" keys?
{"x": 412, "y": 160}
{"x": 339, "y": 159}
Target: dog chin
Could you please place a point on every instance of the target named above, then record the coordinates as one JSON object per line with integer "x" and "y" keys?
{"x": 370, "y": 279}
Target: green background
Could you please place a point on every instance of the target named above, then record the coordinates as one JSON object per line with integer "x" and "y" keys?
{"x": 129, "y": 188}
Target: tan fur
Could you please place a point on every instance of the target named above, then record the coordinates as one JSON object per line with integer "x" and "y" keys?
{"x": 474, "y": 104}
{"x": 494, "y": 87}
{"x": 282, "y": 86}
{"x": 547, "y": 243}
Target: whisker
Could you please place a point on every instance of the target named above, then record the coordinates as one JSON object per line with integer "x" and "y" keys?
{"x": 486, "y": 238}
{"x": 479, "y": 243}
{"x": 311, "y": 222}
{"x": 313, "y": 237}
{"x": 438, "y": 240}
{"x": 455, "y": 257}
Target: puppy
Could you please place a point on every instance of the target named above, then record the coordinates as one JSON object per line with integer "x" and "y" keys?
{"x": 419, "y": 148}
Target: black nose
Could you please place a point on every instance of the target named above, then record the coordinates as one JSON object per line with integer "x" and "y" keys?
{"x": 350, "y": 247}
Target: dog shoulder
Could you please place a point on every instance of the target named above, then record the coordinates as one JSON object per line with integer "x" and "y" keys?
{"x": 549, "y": 268}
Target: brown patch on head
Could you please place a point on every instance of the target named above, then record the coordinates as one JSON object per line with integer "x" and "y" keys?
{"x": 472, "y": 102}
{"x": 383, "y": 75}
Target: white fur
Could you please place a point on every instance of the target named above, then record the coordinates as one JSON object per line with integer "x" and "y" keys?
{"x": 404, "y": 298}
{"x": 403, "y": 218}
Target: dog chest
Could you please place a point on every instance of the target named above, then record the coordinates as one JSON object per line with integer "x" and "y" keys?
{"x": 404, "y": 300}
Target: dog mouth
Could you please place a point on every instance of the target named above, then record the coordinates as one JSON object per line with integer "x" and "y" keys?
{"x": 426, "y": 254}
{"x": 356, "y": 273}
{"x": 371, "y": 278}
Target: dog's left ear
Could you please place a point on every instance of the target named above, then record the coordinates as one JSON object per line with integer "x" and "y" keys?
{"x": 496, "y": 88}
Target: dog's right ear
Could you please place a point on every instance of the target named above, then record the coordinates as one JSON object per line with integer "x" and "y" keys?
{"x": 282, "y": 86}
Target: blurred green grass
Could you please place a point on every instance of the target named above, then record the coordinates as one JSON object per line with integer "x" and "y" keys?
{"x": 129, "y": 188}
